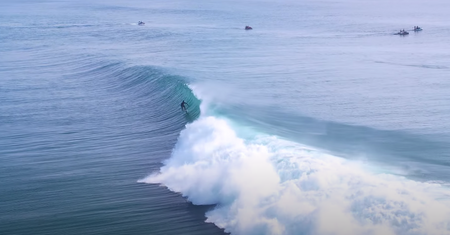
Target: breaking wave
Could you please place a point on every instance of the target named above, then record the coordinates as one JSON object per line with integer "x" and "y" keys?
{"x": 263, "y": 184}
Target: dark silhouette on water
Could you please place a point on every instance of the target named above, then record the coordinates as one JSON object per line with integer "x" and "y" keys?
{"x": 183, "y": 106}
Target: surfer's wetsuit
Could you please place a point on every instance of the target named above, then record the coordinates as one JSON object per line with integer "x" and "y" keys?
{"x": 183, "y": 107}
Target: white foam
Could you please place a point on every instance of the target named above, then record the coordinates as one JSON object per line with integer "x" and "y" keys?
{"x": 271, "y": 186}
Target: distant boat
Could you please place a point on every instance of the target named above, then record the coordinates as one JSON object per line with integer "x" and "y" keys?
{"x": 417, "y": 29}
{"x": 141, "y": 23}
{"x": 248, "y": 28}
{"x": 402, "y": 32}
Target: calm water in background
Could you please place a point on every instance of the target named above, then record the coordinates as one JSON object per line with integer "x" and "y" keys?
{"x": 319, "y": 105}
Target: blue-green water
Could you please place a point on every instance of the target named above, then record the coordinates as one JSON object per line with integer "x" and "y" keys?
{"x": 317, "y": 121}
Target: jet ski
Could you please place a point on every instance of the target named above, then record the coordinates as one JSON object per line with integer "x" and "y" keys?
{"x": 417, "y": 29}
{"x": 248, "y": 28}
{"x": 141, "y": 23}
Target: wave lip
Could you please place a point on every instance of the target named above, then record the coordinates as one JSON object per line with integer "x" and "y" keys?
{"x": 266, "y": 185}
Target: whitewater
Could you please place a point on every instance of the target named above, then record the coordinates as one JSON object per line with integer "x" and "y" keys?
{"x": 264, "y": 184}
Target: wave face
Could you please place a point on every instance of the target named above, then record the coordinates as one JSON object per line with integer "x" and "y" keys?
{"x": 159, "y": 89}
{"x": 263, "y": 184}
{"x": 76, "y": 136}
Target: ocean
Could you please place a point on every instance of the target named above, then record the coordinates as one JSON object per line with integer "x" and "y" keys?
{"x": 320, "y": 120}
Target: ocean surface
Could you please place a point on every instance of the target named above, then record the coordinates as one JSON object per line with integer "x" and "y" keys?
{"x": 319, "y": 121}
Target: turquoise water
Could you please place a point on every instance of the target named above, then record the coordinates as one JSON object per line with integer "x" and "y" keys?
{"x": 317, "y": 121}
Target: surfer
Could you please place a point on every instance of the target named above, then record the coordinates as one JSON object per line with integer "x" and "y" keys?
{"x": 183, "y": 106}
